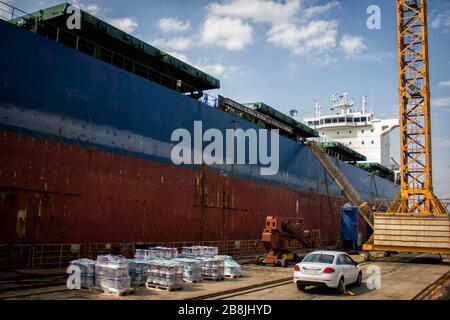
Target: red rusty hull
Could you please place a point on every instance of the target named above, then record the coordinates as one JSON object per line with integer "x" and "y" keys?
{"x": 59, "y": 193}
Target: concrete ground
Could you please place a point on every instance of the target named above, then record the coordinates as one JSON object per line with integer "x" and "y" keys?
{"x": 251, "y": 274}
{"x": 402, "y": 277}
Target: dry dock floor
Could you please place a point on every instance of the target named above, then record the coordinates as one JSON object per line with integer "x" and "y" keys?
{"x": 402, "y": 277}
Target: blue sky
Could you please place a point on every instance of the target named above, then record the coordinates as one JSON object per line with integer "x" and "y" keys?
{"x": 289, "y": 53}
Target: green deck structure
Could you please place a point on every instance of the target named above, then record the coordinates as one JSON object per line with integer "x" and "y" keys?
{"x": 342, "y": 152}
{"x": 97, "y": 37}
{"x": 299, "y": 128}
{"x": 377, "y": 169}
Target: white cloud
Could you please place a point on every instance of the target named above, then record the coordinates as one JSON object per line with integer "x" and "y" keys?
{"x": 90, "y": 7}
{"x": 229, "y": 33}
{"x": 317, "y": 10}
{"x": 441, "y": 102}
{"x": 352, "y": 45}
{"x": 291, "y": 25}
{"x": 442, "y": 20}
{"x": 444, "y": 83}
{"x": 174, "y": 44}
{"x": 180, "y": 56}
{"x": 173, "y": 25}
{"x": 205, "y": 65}
{"x": 125, "y": 24}
{"x": 257, "y": 10}
{"x": 215, "y": 69}
{"x": 316, "y": 36}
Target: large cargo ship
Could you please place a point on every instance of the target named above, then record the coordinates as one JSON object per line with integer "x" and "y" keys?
{"x": 86, "y": 120}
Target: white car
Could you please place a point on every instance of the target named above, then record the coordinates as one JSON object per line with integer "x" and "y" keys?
{"x": 330, "y": 269}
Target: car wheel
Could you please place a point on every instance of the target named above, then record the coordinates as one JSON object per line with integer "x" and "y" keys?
{"x": 341, "y": 286}
{"x": 300, "y": 287}
{"x": 359, "y": 280}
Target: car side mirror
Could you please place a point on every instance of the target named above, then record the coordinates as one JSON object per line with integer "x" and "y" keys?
{"x": 356, "y": 264}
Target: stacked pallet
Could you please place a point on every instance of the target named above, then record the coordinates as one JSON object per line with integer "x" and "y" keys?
{"x": 192, "y": 269}
{"x": 87, "y": 271}
{"x": 165, "y": 253}
{"x": 138, "y": 271}
{"x": 165, "y": 275}
{"x": 213, "y": 269}
{"x": 143, "y": 254}
{"x": 156, "y": 253}
{"x": 111, "y": 274}
{"x": 232, "y": 268}
{"x": 157, "y": 267}
{"x": 432, "y": 232}
{"x": 199, "y": 251}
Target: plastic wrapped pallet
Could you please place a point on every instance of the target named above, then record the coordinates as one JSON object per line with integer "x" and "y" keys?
{"x": 199, "y": 251}
{"x": 165, "y": 253}
{"x": 232, "y": 268}
{"x": 192, "y": 269}
{"x": 165, "y": 274}
{"x": 189, "y": 252}
{"x": 111, "y": 274}
{"x": 213, "y": 268}
{"x": 138, "y": 271}
{"x": 144, "y": 254}
{"x": 87, "y": 272}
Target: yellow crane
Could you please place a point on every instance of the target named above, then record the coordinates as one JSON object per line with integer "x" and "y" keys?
{"x": 416, "y": 221}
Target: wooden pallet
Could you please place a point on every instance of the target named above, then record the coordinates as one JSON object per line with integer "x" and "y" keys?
{"x": 137, "y": 285}
{"x": 412, "y": 231}
{"x": 162, "y": 288}
{"x": 89, "y": 288}
{"x": 213, "y": 278}
{"x": 118, "y": 293}
{"x": 193, "y": 281}
{"x": 233, "y": 276}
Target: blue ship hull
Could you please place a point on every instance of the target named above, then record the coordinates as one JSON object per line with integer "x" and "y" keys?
{"x": 78, "y": 133}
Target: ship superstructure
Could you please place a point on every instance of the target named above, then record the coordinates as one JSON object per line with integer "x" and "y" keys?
{"x": 356, "y": 128}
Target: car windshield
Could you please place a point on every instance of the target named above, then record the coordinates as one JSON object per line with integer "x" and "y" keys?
{"x": 319, "y": 258}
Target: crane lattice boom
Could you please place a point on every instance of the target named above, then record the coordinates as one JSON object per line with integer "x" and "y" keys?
{"x": 416, "y": 195}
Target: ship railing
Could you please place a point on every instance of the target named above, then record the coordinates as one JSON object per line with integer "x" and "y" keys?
{"x": 9, "y": 12}
{"x": 93, "y": 49}
{"x": 210, "y": 100}
{"x": 70, "y": 39}
{"x": 324, "y": 139}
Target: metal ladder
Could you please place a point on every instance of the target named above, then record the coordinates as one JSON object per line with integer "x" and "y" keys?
{"x": 351, "y": 193}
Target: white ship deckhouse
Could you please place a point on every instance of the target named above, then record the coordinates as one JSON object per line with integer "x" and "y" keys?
{"x": 357, "y": 129}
